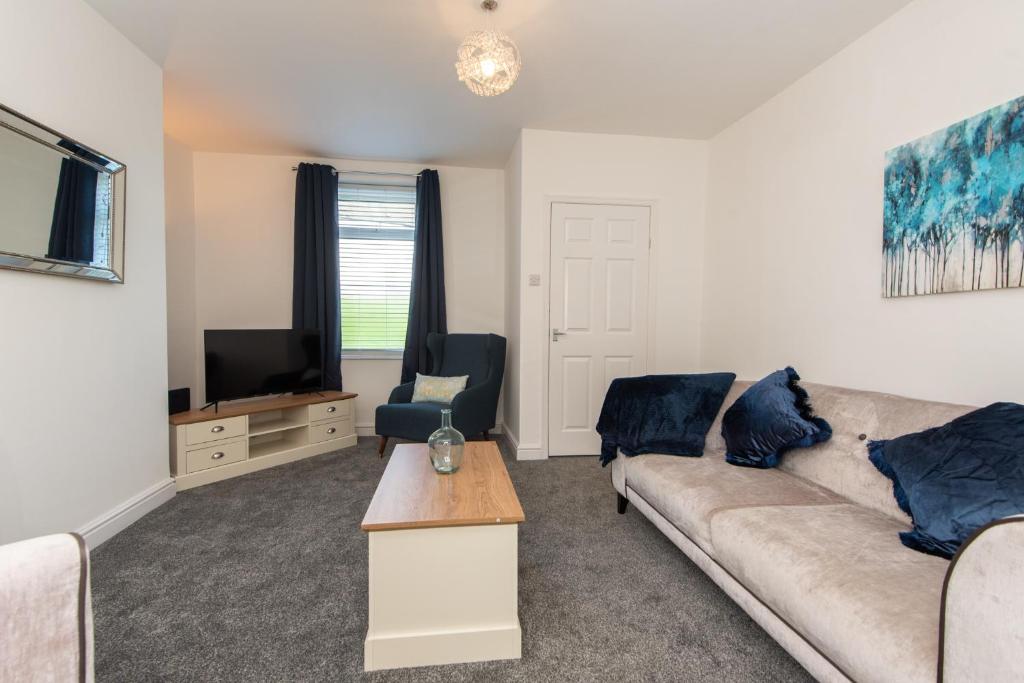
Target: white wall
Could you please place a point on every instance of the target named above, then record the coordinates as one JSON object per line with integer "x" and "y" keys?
{"x": 793, "y": 268}
{"x": 180, "y": 211}
{"x": 513, "y": 264}
{"x": 84, "y": 364}
{"x": 244, "y": 207}
{"x": 672, "y": 174}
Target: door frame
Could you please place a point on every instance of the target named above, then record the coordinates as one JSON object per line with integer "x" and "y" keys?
{"x": 549, "y": 201}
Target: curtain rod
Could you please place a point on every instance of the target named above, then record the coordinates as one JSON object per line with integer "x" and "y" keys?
{"x": 342, "y": 170}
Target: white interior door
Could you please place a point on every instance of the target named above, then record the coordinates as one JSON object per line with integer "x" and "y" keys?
{"x": 600, "y": 257}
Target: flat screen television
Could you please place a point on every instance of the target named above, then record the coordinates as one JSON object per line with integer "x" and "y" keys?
{"x": 245, "y": 363}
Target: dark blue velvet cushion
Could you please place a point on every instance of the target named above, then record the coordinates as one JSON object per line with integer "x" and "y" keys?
{"x": 668, "y": 414}
{"x": 956, "y": 478}
{"x": 770, "y": 418}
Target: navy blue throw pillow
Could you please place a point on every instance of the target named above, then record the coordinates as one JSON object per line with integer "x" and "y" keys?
{"x": 770, "y": 418}
{"x": 956, "y": 478}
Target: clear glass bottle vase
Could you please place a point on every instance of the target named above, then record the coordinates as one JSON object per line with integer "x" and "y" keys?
{"x": 445, "y": 446}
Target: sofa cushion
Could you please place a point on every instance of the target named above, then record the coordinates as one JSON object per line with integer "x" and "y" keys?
{"x": 956, "y": 478}
{"x": 839, "y": 576}
{"x": 770, "y": 418}
{"x": 842, "y": 464}
{"x": 690, "y": 491}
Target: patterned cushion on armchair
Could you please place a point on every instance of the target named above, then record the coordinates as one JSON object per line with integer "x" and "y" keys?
{"x": 437, "y": 389}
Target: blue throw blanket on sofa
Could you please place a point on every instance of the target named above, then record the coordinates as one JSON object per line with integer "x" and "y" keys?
{"x": 668, "y": 414}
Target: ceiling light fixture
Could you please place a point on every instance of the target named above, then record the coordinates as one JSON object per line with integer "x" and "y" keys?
{"x": 488, "y": 60}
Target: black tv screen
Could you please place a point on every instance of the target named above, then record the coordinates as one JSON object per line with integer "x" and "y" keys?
{"x": 244, "y": 363}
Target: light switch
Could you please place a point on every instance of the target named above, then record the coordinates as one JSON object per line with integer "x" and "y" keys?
{"x": 534, "y": 280}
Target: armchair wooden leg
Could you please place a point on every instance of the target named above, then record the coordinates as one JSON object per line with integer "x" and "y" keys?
{"x": 382, "y": 446}
{"x": 622, "y": 503}
{"x": 486, "y": 436}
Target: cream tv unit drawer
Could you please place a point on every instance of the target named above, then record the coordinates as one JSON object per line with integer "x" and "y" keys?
{"x": 215, "y": 430}
{"x": 329, "y": 431}
{"x": 334, "y": 410}
{"x": 215, "y": 456}
{"x": 248, "y": 436}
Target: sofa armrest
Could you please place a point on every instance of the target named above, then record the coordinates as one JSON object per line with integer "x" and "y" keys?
{"x": 618, "y": 473}
{"x": 475, "y": 408}
{"x": 402, "y": 393}
{"x": 45, "y": 610}
{"x": 981, "y": 632}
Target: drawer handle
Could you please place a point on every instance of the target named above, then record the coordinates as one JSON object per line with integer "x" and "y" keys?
{"x": 332, "y": 409}
{"x": 218, "y": 428}
{"x": 218, "y": 455}
{"x": 331, "y": 430}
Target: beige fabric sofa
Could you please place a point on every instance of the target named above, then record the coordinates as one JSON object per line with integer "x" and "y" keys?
{"x": 811, "y": 551}
{"x": 45, "y": 610}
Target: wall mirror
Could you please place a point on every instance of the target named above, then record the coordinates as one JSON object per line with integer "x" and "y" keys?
{"x": 61, "y": 203}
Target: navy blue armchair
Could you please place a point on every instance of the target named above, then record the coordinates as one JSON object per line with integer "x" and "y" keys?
{"x": 482, "y": 357}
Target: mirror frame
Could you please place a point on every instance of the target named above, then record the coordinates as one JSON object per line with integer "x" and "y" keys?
{"x": 22, "y": 125}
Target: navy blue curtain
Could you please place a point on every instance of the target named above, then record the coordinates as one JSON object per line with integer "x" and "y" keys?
{"x": 74, "y": 211}
{"x": 316, "y": 299}
{"x": 426, "y": 298}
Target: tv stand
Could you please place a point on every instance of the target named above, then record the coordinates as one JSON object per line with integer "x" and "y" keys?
{"x": 244, "y": 437}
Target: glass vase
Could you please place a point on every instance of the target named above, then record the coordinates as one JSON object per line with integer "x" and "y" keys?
{"x": 445, "y": 446}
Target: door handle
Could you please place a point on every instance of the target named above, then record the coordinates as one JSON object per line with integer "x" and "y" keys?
{"x": 555, "y": 334}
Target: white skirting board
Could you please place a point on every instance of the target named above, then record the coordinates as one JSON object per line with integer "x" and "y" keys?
{"x": 435, "y": 649}
{"x": 113, "y": 521}
{"x": 524, "y": 453}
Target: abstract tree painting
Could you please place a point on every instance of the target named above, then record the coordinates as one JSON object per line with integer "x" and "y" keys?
{"x": 954, "y": 207}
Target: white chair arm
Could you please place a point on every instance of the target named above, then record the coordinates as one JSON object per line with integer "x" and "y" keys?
{"x": 981, "y": 632}
{"x": 45, "y": 610}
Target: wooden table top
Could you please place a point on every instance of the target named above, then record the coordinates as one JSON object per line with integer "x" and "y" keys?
{"x": 260, "y": 406}
{"x": 411, "y": 495}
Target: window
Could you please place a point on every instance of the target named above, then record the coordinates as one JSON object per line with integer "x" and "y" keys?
{"x": 101, "y": 234}
{"x": 377, "y": 224}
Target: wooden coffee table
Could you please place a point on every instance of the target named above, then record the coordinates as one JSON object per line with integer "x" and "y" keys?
{"x": 443, "y": 549}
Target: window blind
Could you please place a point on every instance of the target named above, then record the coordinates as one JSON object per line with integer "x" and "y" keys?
{"x": 376, "y": 227}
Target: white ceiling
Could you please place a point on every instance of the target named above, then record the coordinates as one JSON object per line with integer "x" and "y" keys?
{"x": 376, "y": 78}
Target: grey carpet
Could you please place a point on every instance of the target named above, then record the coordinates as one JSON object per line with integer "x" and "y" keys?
{"x": 263, "y": 578}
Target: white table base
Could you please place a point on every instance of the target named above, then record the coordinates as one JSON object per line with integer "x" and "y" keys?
{"x": 443, "y": 595}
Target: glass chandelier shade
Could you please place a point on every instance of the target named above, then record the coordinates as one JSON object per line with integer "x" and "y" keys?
{"x": 488, "y": 62}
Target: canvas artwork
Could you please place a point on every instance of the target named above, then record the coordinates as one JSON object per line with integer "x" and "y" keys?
{"x": 954, "y": 207}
